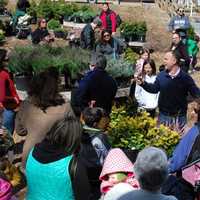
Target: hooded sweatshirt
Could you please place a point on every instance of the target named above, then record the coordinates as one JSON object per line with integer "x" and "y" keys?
{"x": 117, "y": 161}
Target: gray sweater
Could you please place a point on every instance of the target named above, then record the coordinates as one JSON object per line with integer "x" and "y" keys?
{"x": 145, "y": 195}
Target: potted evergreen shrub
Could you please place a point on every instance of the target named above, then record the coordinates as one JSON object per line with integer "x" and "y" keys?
{"x": 121, "y": 70}
{"x": 34, "y": 59}
{"x": 133, "y": 31}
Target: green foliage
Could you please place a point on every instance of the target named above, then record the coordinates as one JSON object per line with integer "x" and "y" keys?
{"x": 49, "y": 9}
{"x": 130, "y": 56}
{"x": 139, "y": 132}
{"x": 85, "y": 16}
{"x": 191, "y": 33}
{"x": 119, "y": 68}
{"x": 2, "y": 36}
{"x": 129, "y": 29}
{"x": 38, "y": 58}
{"x": 3, "y": 3}
{"x": 53, "y": 24}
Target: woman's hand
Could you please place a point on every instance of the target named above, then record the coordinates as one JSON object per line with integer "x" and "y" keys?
{"x": 139, "y": 80}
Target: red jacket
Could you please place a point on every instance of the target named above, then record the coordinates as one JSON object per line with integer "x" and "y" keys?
{"x": 113, "y": 25}
{"x": 5, "y": 76}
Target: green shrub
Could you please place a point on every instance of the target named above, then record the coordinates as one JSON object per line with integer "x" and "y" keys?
{"x": 2, "y": 36}
{"x": 139, "y": 131}
{"x": 119, "y": 68}
{"x": 131, "y": 29}
{"x": 53, "y": 24}
{"x": 130, "y": 56}
{"x": 38, "y": 58}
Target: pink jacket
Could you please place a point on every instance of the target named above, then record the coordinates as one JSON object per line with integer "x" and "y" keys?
{"x": 103, "y": 16}
{"x": 117, "y": 161}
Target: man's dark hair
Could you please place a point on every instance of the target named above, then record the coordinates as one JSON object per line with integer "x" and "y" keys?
{"x": 44, "y": 88}
{"x": 93, "y": 115}
{"x": 65, "y": 134}
{"x": 101, "y": 61}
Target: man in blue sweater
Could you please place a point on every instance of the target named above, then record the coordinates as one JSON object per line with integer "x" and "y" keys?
{"x": 174, "y": 86}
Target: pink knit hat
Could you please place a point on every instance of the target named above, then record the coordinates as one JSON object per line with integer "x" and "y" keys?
{"x": 116, "y": 161}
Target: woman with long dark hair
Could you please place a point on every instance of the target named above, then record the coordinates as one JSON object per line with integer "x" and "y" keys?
{"x": 109, "y": 45}
{"x": 52, "y": 168}
{"x": 43, "y": 107}
{"x": 41, "y": 33}
{"x": 146, "y": 100}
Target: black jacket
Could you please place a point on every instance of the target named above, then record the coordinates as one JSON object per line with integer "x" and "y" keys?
{"x": 87, "y": 37}
{"x": 181, "y": 49}
{"x": 96, "y": 85}
{"x": 38, "y": 35}
{"x": 112, "y": 48}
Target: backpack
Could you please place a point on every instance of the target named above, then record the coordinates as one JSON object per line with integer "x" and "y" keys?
{"x": 118, "y": 20}
{"x": 94, "y": 149}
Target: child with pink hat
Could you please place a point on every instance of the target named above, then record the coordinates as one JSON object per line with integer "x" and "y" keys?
{"x": 117, "y": 169}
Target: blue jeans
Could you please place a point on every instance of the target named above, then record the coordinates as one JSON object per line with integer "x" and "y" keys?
{"x": 172, "y": 120}
{"x": 9, "y": 120}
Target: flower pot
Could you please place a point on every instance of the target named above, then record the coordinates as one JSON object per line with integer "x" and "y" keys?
{"x": 78, "y": 20}
{"x": 22, "y": 82}
{"x": 142, "y": 38}
{"x": 122, "y": 82}
{"x": 60, "y": 34}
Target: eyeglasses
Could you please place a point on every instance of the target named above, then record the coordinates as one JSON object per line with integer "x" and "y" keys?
{"x": 107, "y": 35}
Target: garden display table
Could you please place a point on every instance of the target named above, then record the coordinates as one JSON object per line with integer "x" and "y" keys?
{"x": 73, "y": 25}
{"x": 121, "y": 92}
{"x": 136, "y": 44}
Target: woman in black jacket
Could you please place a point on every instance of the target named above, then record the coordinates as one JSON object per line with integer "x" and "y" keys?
{"x": 41, "y": 34}
{"x": 109, "y": 45}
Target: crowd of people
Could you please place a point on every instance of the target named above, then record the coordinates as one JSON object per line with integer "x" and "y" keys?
{"x": 59, "y": 149}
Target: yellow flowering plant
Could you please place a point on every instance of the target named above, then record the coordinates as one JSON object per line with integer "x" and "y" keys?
{"x": 139, "y": 131}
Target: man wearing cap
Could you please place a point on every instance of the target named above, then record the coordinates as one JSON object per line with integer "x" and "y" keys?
{"x": 88, "y": 34}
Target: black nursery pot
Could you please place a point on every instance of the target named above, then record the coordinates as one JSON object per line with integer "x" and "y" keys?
{"x": 22, "y": 81}
{"x": 60, "y": 34}
{"x": 78, "y": 20}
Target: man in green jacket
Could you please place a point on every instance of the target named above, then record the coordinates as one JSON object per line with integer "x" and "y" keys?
{"x": 193, "y": 49}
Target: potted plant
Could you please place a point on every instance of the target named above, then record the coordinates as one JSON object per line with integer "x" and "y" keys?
{"x": 133, "y": 31}
{"x": 139, "y": 131}
{"x": 121, "y": 70}
{"x": 34, "y": 59}
{"x": 141, "y": 31}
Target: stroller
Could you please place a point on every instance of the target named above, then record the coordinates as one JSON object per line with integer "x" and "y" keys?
{"x": 186, "y": 184}
{"x": 21, "y": 24}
